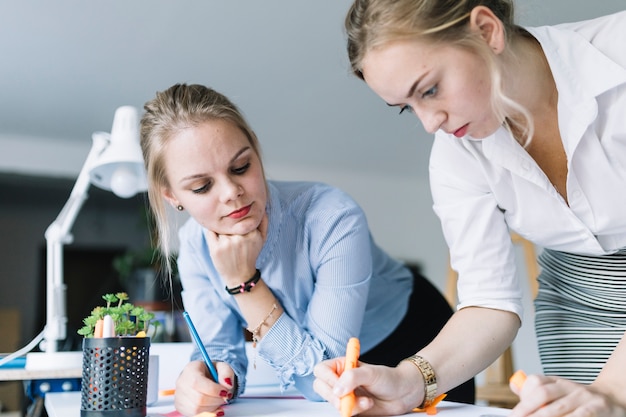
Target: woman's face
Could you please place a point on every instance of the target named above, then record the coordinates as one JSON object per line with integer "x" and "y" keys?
{"x": 216, "y": 175}
{"x": 447, "y": 88}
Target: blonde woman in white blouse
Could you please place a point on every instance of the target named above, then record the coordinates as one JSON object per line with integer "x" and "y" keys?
{"x": 530, "y": 136}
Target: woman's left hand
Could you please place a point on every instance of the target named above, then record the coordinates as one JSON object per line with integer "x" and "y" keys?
{"x": 549, "y": 396}
{"x": 235, "y": 256}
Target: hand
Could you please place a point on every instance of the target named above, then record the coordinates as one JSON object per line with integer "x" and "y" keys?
{"x": 196, "y": 392}
{"x": 379, "y": 390}
{"x": 234, "y": 256}
{"x": 549, "y": 396}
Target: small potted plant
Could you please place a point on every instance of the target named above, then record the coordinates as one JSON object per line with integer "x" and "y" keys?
{"x": 115, "y": 361}
{"x": 128, "y": 319}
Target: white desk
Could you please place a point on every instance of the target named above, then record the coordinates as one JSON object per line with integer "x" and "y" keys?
{"x": 260, "y": 382}
{"x": 67, "y": 404}
{"x": 20, "y": 374}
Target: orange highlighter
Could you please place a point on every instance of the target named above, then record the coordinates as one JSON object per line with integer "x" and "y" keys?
{"x": 518, "y": 379}
{"x": 352, "y": 358}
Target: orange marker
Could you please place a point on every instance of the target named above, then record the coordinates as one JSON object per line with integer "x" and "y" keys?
{"x": 352, "y": 358}
{"x": 518, "y": 379}
{"x": 98, "y": 330}
{"x": 166, "y": 392}
{"x": 431, "y": 410}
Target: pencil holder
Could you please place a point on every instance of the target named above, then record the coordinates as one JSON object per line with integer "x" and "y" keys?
{"x": 115, "y": 377}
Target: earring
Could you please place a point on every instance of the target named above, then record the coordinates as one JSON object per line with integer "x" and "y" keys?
{"x": 180, "y": 208}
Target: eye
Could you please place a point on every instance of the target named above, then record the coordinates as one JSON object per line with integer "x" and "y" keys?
{"x": 406, "y": 108}
{"x": 430, "y": 92}
{"x": 202, "y": 189}
{"x": 241, "y": 170}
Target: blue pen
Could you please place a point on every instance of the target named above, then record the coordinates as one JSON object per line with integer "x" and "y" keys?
{"x": 196, "y": 338}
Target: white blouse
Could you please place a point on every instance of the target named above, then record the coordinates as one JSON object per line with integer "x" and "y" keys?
{"x": 482, "y": 188}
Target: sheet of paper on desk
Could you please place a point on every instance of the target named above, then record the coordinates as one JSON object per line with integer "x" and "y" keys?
{"x": 67, "y": 404}
{"x": 249, "y": 407}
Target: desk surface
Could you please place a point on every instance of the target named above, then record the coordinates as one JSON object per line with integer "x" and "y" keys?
{"x": 67, "y": 404}
{"x": 261, "y": 382}
{"x": 20, "y": 374}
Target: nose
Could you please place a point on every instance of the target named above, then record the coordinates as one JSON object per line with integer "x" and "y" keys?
{"x": 230, "y": 190}
{"x": 431, "y": 119}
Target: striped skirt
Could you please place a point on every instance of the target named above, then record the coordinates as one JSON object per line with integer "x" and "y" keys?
{"x": 580, "y": 312}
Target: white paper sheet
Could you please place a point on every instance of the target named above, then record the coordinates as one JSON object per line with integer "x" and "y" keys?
{"x": 68, "y": 405}
{"x": 303, "y": 408}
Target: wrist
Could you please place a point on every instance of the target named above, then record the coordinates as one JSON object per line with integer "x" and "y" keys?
{"x": 412, "y": 385}
{"x": 429, "y": 379}
{"x": 245, "y": 286}
{"x": 613, "y": 390}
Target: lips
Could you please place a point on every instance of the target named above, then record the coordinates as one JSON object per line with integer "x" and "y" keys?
{"x": 242, "y": 212}
{"x": 460, "y": 132}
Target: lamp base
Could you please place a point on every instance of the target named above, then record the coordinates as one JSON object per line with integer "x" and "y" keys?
{"x": 39, "y": 361}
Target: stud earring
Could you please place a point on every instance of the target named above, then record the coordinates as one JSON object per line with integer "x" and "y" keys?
{"x": 180, "y": 208}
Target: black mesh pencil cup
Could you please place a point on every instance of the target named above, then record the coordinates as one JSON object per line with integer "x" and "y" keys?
{"x": 115, "y": 377}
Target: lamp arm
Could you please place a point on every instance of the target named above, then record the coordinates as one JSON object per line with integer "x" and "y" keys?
{"x": 57, "y": 235}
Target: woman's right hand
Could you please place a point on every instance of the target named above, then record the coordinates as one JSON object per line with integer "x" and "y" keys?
{"x": 380, "y": 390}
{"x": 196, "y": 392}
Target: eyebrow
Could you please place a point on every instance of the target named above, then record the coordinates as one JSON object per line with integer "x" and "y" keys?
{"x": 238, "y": 154}
{"x": 411, "y": 90}
{"x": 233, "y": 159}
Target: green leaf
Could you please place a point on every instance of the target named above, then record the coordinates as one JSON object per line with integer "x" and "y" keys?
{"x": 128, "y": 319}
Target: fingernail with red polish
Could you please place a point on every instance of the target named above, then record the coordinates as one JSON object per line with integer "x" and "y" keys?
{"x": 228, "y": 381}
{"x": 223, "y": 393}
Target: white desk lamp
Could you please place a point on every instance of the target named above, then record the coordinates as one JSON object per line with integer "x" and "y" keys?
{"x": 114, "y": 163}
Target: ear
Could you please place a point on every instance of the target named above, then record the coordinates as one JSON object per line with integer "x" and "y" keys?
{"x": 169, "y": 196}
{"x": 489, "y": 27}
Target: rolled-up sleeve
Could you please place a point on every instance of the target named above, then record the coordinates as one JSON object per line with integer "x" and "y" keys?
{"x": 474, "y": 226}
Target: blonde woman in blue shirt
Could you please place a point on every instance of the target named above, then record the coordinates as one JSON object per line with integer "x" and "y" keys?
{"x": 293, "y": 262}
{"x": 530, "y": 136}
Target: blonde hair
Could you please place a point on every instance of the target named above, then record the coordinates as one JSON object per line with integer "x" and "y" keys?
{"x": 373, "y": 23}
{"x": 179, "y": 107}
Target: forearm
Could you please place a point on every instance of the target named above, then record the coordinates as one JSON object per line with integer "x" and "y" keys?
{"x": 471, "y": 340}
{"x": 259, "y": 308}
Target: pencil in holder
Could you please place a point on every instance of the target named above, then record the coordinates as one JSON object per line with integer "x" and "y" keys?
{"x": 115, "y": 377}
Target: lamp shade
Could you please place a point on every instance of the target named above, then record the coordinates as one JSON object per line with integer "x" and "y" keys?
{"x": 120, "y": 167}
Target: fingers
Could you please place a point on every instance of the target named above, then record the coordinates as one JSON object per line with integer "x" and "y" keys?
{"x": 326, "y": 377}
{"x": 226, "y": 380}
{"x": 331, "y": 386}
{"x": 326, "y": 380}
{"x": 196, "y": 392}
{"x": 235, "y": 256}
{"x": 517, "y": 380}
{"x": 555, "y": 397}
{"x": 368, "y": 399}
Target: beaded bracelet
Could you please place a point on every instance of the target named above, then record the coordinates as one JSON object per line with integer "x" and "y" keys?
{"x": 245, "y": 286}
